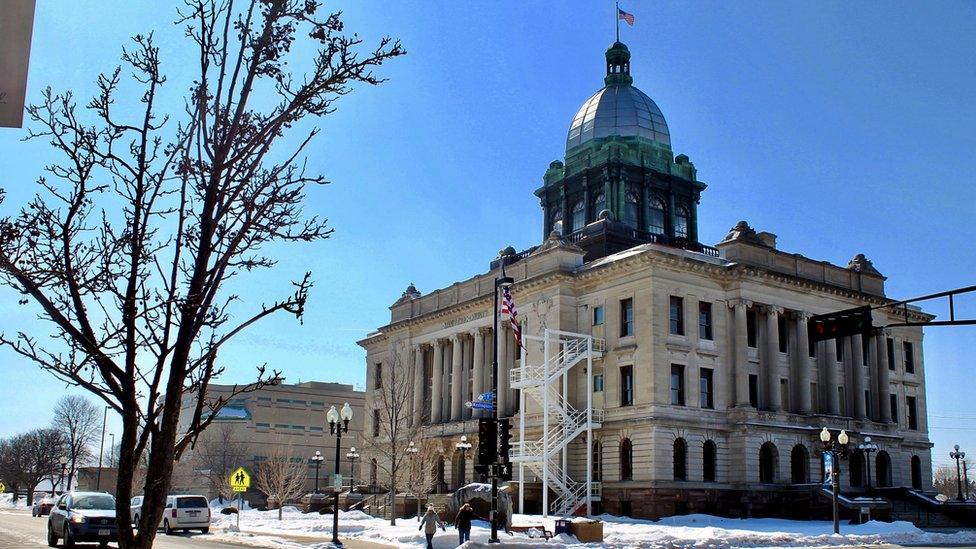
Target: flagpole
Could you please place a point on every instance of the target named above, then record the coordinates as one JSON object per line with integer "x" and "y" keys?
{"x": 616, "y": 18}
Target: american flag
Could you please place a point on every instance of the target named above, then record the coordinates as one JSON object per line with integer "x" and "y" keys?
{"x": 628, "y": 17}
{"x": 508, "y": 308}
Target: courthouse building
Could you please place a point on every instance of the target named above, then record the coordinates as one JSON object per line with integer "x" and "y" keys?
{"x": 701, "y": 390}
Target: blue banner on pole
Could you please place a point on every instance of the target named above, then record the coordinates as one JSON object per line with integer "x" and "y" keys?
{"x": 828, "y": 461}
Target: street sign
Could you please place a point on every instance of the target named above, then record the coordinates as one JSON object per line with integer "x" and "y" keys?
{"x": 337, "y": 482}
{"x": 486, "y": 397}
{"x": 240, "y": 481}
{"x": 3, "y": 487}
{"x": 482, "y": 406}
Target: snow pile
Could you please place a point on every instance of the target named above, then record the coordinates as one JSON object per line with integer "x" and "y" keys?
{"x": 6, "y": 502}
{"x": 262, "y": 528}
{"x": 217, "y": 505}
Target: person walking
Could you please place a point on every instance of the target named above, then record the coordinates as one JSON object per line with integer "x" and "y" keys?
{"x": 463, "y": 522}
{"x": 429, "y": 525}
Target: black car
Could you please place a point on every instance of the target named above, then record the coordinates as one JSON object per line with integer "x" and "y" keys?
{"x": 83, "y": 516}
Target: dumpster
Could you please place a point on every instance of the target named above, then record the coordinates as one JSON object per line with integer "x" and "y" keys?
{"x": 587, "y": 531}
{"x": 562, "y": 527}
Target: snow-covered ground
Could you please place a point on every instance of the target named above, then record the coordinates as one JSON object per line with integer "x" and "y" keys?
{"x": 6, "y": 502}
{"x": 262, "y": 528}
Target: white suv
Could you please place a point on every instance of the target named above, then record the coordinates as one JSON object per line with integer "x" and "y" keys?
{"x": 184, "y": 512}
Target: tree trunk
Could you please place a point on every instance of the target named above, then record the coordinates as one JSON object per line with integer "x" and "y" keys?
{"x": 279, "y": 510}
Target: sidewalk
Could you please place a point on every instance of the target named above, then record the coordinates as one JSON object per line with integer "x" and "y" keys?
{"x": 351, "y": 543}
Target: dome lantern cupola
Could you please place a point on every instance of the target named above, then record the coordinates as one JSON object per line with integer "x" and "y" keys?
{"x": 618, "y": 65}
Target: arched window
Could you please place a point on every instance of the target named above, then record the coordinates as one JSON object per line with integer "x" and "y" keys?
{"x": 626, "y": 460}
{"x": 441, "y": 484}
{"x": 800, "y": 464}
{"x": 883, "y": 469}
{"x": 708, "y": 461}
{"x": 680, "y": 455}
{"x": 631, "y": 209}
{"x": 557, "y": 220}
{"x": 856, "y": 468}
{"x": 579, "y": 216}
{"x": 656, "y": 216}
{"x": 599, "y": 204}
{"x": 597, "y": 462}
{"x": 681, "y": 222}
{"x": 373, "y": 467}
{"x": 916, "y": 472}
{"x": 767, "y": 463}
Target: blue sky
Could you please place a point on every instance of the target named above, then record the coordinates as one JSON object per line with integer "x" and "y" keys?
{"x": 842, "y": 128}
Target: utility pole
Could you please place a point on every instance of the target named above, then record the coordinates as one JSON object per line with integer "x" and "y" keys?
{"x": 500, "y": 282}
{"x": 101, "y": 448}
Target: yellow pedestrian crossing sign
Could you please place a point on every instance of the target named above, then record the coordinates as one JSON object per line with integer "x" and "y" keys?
{"x": 240, "y": 481}
{"x": 3, "y": 487}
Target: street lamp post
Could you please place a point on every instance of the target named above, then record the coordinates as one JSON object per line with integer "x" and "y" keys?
{"x": 64, "y": 464}
{"x": 412, "y": 451}
{"x": 317, "y": 460}
{"x": 352, "y": 455}
{"x": 101, "y": 448}
{"x": 957, "y": 455}
{"x": 501, "y": 281}
{"x": 867, "y": 447}
{"x": 462, "y": 447}
{"x": 111, "y": 451}
{"x": 338, "y": 424}
{"x": 837, "y": 448}
{"x": 965, "y": 480}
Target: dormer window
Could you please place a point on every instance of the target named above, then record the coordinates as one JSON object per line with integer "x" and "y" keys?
{"x": 681, "y": 222}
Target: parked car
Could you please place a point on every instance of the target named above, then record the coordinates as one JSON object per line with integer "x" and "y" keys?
{"x": 82, "y": 516}
{"x": 42, "y": 505}
{"x": 183, "y": 512}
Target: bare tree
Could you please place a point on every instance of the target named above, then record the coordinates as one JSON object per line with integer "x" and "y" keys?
{"x": 422, "y": 470}
{"x": 219, "y": 452}
{"x": 76, "y": 417}
{"x": 282, "y": 476}
{"x": 29, "y": 458}
{"x": 126, "y": 250}
{"x": 393, "y": 398}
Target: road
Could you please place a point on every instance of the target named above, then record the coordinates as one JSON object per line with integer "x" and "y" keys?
{"x": 18, "y": 530}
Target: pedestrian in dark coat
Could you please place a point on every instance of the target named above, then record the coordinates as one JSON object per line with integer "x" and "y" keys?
{"x": 463, "y": 522}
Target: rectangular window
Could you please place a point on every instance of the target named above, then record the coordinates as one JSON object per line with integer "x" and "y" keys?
{"x": 891, "y": 354}
{"x": 705, "y": 388}
{"x": 909, "y": 357}
{"x": 627, "y": 386}
{"x": 842, "y": 399}
{"x": 751, "y": 328}
{"x": 598, "y": 383}
{"x": 912, "y": 413}
{"x": 867, "y": 404}
{"x": 894, "y": 407}
{"x": 376, "y": 423}
{"x": 784, "y": 393}
{"x": 597, "y": 316}
{"x": 677, "y": 316}
{"x": 753, "y": 390}
{"x": 839, "y": 345}
{"x": 264, "y": 399}
{"x": 626, "y": 317}
{"x": 783, "y": 331}
{"x": 315, "y": 403}
{"x": 298, "y": 427}
{"x": 677, "y": 385}
{"x": 315, "y": 428}
{"x": 704, "y": 320}
{"x": 811, "y": 345}
{"x": 814, "y": 398}
{"x": 865, "y": 348}
{"x": 378, "y": 376}
{"x": 263, "y": 425}
{"x": 281, "y": 425}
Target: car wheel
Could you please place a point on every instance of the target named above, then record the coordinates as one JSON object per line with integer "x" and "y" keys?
{"x": 205, "y": 530}
{"x": 52, "y": 540}
{"x": 166, "y": 529}
{"x": 33, "y": 513}
{"x": 68, "y": 542}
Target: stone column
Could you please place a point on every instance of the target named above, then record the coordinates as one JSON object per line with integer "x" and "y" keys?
{"x": 857, "y": 376}
{"x": 437, "y": 390}
{"x": 829, "y": 363}
{"x": 883, "y": 377}
{"x": 501, "y": 399}
{"x": 456, "y": 379}
{"x": 774, "y": 397}
{"x": 418, "y": 386}
{"x": 478, "y": 368}
{"x": 740, "y": 365}
{"x": 801, "y": 363}
{"x": 466, "y": 387}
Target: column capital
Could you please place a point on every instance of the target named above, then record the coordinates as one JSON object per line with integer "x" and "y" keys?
{"x": 440, "y": 342}
{"x": 804, "y": 316}
{"x": 739, "y": 302}
{"x": 773, "y": 310}
{"x": 884, "y": 332}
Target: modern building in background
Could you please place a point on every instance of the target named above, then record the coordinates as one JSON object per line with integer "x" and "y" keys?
{"x": 704, "y": 392}
{"x": 250, "y": 425}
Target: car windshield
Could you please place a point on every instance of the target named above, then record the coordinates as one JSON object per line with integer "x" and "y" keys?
{"x": 191, "y": 503}
{"x": 100, "y": 501}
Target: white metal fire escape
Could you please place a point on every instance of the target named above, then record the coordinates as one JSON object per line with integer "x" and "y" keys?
{"x": 547, "y": 384}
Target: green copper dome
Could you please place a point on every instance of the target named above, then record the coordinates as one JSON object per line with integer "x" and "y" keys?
{"x": 619, "y": 109}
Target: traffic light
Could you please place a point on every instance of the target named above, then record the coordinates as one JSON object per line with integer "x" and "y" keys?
{"x": 840, "y": 324}
{"x": 487, "y": 444}
{"x": 505, "y": 471}
{"x": 505, "y": 434}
